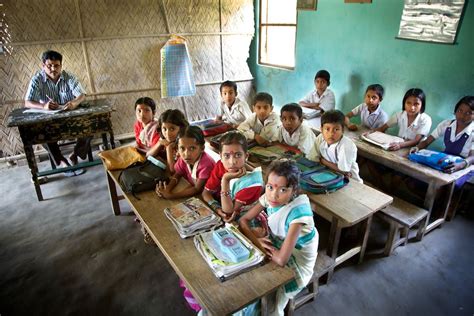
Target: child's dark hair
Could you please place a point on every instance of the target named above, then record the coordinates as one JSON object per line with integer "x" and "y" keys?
{"x": 148, "y": 102}
{"x": 334, "y": 117}
{"x": 193, "y": 132}
{"x": 377, "y": 88}
{"x": 417, "y": 93}
{"x": 468, "y": 100}
{"x": 175, "y": 117}
{"x": 263, "y": 97}
{"x": 230, "y": 84}
{"x": 51, "y": 55}
{"x": 234, "y": 137}
{"x": 293, "y": 108}
{"x": 323, "y": 74}
{"x": 287, "y": 168}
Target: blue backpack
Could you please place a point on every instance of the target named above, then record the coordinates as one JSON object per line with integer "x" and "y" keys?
{"x": 316, "y": 178}
{"x": 434, "y": 159}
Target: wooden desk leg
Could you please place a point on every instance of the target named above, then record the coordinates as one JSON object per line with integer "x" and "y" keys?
{"x": 114, "y": 201}
{"x": 105, "y": 142}
{"x": 428, "y": 203}
{"x": 30, "y": 158}
{"x": 367, "y": 223}
{"x": 333, "y": 243}
{"x": 432, "y": 189}
{"x": 264, "y": 305}
{"x": 112, "y": 139}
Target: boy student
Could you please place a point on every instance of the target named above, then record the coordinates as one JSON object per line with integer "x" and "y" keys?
{"x": 333, "y": 149}
{"x": 322, "y": 98}
{"x": 232, "y": 110}
{"x": 263, "y": 124}
{"x": 293, "y": 132}
{"x": 371, "y": 113}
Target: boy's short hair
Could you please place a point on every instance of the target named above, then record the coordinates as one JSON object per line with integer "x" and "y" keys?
{"x": 287, "y": 168}
{"x": 333, "y": 117}
{"x": 230, "y": 84}
{"x": 468, "y": 100}
{"x": 193, "y": 132}
{"x": 148, "y": 102}
{"x": 234, "y": 137}
{"x": 377, "y": 88}
{"x": 294, "y": 108}
{"x": 323, "y": 74}
{"x": 51, "y": 55}
{"x": 417, "y": 93}
{"x": 263, "y": 97}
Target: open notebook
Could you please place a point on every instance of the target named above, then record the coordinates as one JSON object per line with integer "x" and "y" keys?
{"x": 381, "y": 139}
{"x": 310, "y": 113}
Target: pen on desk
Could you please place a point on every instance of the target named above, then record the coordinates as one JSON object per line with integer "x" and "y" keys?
{"x": 49, "y": 98}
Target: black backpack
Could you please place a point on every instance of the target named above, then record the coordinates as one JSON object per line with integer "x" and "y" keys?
{"x": 317, "y": 178}
{"x": 141, "y": 176}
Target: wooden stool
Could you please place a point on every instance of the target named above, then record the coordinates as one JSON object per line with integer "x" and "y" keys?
{"x": 323, "y": 264}
{"x": 402, "y": 216}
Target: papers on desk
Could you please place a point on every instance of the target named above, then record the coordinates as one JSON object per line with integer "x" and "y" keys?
{"x": 43, "y": 111}
{"x": 192, "y": 217}
{"x": 381, "y": 139}
{"x": 220, "y": 262}
{"x": 310, "y": 113}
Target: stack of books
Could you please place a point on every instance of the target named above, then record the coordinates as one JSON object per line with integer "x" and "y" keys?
{"x": 192, "y": 217}
{"x": 310, "y": 113}
{"x": 381, "y": 139}
{"x": 228, "y": 252}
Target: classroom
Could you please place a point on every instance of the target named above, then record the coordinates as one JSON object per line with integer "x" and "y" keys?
{"x": 207, "y": 92}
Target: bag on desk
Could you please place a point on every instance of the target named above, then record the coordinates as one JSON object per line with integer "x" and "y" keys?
{"x": 211, "y": 127}
{"x": 141, "y": 176}
{"x": 319, "y": 179}
{"x": 121, "y": 157}
{"x": 434, "y": 159}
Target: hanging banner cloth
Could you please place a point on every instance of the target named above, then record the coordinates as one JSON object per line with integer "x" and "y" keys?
{"x": 177, "y": 77}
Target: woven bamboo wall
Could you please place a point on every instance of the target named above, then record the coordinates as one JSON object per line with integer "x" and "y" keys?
{"x": 113, "y": 47}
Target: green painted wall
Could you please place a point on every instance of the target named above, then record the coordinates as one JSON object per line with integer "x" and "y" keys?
{"x": 356, "y": 44}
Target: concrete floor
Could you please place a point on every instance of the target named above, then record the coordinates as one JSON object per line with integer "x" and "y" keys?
{"x": 69, "y": 255}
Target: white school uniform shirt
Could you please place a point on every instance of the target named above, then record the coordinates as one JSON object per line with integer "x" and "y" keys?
{"x": 303, "y": 138}
{"x": 420, "y": 126}
{"x": 372, "y": 120}
{"x": 268, "y": 130}
{"x": 441, "y": 128}
{"x": 327, "y": 101}
{"x": 239, "y": 111}
{"x": 343, "y": 154}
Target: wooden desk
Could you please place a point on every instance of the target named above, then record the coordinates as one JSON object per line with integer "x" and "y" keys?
{"x": 218, "y": 298}
{"x": 89, "y": 119}
{"x": 346, "y": 207}
{"x": 398, "y": 161}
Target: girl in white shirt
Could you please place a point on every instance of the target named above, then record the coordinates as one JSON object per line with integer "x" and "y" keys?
{"x": 413, "y": 123}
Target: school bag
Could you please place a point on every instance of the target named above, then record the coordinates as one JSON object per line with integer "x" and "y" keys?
{"x": 211, "y": 127}
{"x": 317, "y": 178}
{"x": 434, "y": 159}
{"x": 141, "y": 176}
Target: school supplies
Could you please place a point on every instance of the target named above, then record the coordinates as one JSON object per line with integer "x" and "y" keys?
{"x": 140, "y": 176}
{"x": 121, "y": 157}
{"x": 265, "y": 155}
{"x": 230, "y": 245}
{"x": 211, "y": 127}
{"x": 310, "y": 113}
{"x": 317, "y": 178}
{"x": 191, "y": 217}
{"x": 216, "y": 254}
{"x": 434, "y": 159}
{"x": 381, "y": 139}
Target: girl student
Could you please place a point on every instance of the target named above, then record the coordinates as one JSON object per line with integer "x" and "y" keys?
{"x": 230, "y": 182}
{"x": 412, "y": 122}
{"x": 146, "y": 128}
{"x": 193, "y": 163}
{"x": 171, "y": 122}
{"x": 293, "y": 239}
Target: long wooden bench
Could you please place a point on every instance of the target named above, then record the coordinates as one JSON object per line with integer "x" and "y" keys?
{"x": 323, "y": 265}
{"x": 402, "y": 216}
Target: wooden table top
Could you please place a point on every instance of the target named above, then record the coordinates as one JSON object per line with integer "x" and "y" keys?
{"x": 351, "y": 204}
{"x": 219, "y": 298}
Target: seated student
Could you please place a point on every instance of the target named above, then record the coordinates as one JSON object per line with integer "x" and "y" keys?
{"x": 371, "y": 113}
{"x": 170, "y": 123}
{"x": 238, "y": 189}
{"x": 293, "y": 238}
{"x": 321, "y": 98}
{"x": 263, "y": 124}
{"x": 293, "y": 131}
{"x": 412, "y": 122}
{"x": 194, "y": 164}
{"x": 232, "y": 110}
{"x": 146, "y": 126}
{"x": 457, "y": 134}
{"x": 333, "y": 149}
